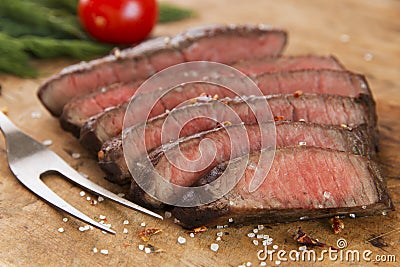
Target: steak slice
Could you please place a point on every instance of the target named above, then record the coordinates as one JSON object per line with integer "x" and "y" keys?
{"x": 224, "y": 44}
{"x": 108, "y": 124}
{"x": 303, "y": 183}
{"x": 79, "y": 109}
{"x": 336, "y": 110}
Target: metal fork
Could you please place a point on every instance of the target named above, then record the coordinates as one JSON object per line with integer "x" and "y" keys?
{"x": 29, "y": 160}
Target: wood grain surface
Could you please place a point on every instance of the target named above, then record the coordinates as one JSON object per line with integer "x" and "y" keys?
{"x": 364, "y": 35}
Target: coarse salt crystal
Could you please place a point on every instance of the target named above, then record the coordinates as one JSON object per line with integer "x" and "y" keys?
{"x": 263, "y": 263}
{"x": 260, "y": 227}
{"x": 218, "y": 238}
{"x": 82, "y": 193}
{"x": 147, "y": 250}
{"x": 191, "y": 234}
{"x": 248, "y": 264}
{"x": 302, "y": 143}
{"x": 327, "y": 194}
{"x": 303, "y": 217}
{"x": 364, "y": 207}
{"x": 220, "y": 234}
{"x": 320, "y": 206}
{"x": 143, "y": 224}
{"x": 231, "y": 203}
{"x": 303, "y": 248}
{"x": 104, "y": 251}
{"x": 126, "y": 222}
{"x": 81, "y": 229}
{"x": 141, "y": 247}
{"x": 214, "y": 247}
{"x": 260, "y": 236}
{"x": 344, "y": 38}
{"x": 384, "y": 213}
{"x": 255, "y": 231}
{"x": 230, "y": 220}
{"x": 100, "y": 199}
{"x": 255, "y": 242}
{"x": 181, "y": 240}
{"x": 251, "y": 235}
{"x": 275, "y": 246}
{"x": 104, "y": 232}
{"x": 95, "y": 250}
{"x": 352, "y": 215}
{"x": 220, "y": 226}
{"x": 167, "y": 215}
{"x": 176, "y": 220}
{"x": 368, "y": 56}
{"x": 125, "y": 231}
{"x": 302, "y": 120}
{"x": 75, "y": 155}
{"x": 88, "y": 198}
{"x": 47, "y": 142}
{"x": 277, "y": 262}
{"x": 36, "y": 115}
{"x": 102, "y": 217}
{"x": 65, "y": 219}
{"x": 61, "y": 230}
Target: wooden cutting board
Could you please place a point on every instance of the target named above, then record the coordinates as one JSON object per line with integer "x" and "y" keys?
{"x": 364, "y": 35}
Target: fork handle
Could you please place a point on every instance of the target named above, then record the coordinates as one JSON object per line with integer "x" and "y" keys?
{"x": 6, "y": 125}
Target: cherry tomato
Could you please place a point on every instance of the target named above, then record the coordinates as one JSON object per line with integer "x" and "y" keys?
{"x": 118, "y": 21}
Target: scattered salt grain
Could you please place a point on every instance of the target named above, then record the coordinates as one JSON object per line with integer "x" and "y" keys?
{"x": 181, "y": 240}
{"x": 82, "y": 193}
{"x": 176, "y": 220}
{"x": 302, "y": 120}
{"x": 364, "y": 207}
{"x": 220, "y": 226}
{"x": 100, "y": 199}
{"x": 368, "y": 56}
{"x": 88, "y": 198}
{"x": 47, "y": 142}
{"x": 275, "y": 246}
{"x": 126, "y": 222}
{"x": 327, "y": 194}
{"x": 214, "y": 247}
{"x": 255, "y": 231}
{"x": 104, "y": 251}
{"x": 320, "y": 206}
{"x": 302, "y": 143}
{"x": 303, "y": 218}
{"x": 260, "y": 236}
{"x": 143, "y": 224}
{"x": 230, "y": 220}
{"x": 95, "y": 250}
{"x": 61, "y": 230}
{"x": 251, "y": 235}
{"x": 218, "y": 238}
{"x": 36, "y": 115}
{"x": 125, "y": 231}
{"x": 352, "y": 215}
{"x": 191, "y": 234}
{"x": 248, "y": 264}
{"x": 344, "y": 38}
{"x": 141, "y": 247}
{"x": 65, "y": 219}
{"x": 384, "y": 213}
{"x": 263, "y": 263}
{"x": 277, "y": 262}
{"x": 167, "y": 215}
{"x": 260, "y": 227}
{"x": 75, "y": 155}
{"x": 121, "y": 194}
{"x": 104, "y": 232}
{"x": 147, "y": 250}
{"x": 255, "y": 242}
{"x": 220, "y": 234}
{"x": 102, "y": 217}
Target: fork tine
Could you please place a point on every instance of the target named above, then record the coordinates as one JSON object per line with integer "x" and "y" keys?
{"x": 40, "y": 189}
{"x": 77, "y": 178}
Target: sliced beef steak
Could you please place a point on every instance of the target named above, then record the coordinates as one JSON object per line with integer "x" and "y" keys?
{"x": 225, "y": 44}
{"x": 79, "y": 109}
{"x": 320, "y": 109}
{"x": 108, "y": 124}
{"x": 303, "y": 183}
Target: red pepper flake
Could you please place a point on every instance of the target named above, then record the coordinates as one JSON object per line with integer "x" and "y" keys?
{"x": 127, "y": 245}
{"x": 198, "y": 230}
{"x": 100, "y": 154}
{"x": 337, "y": 225}
{"x": 298, "y": 93}
{"x": 279, "y": 118}
{"x": 146, "y": 233}
{"x": 304, "y": 239}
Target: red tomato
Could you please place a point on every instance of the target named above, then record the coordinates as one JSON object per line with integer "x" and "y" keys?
{"x": 118, "y": 21}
